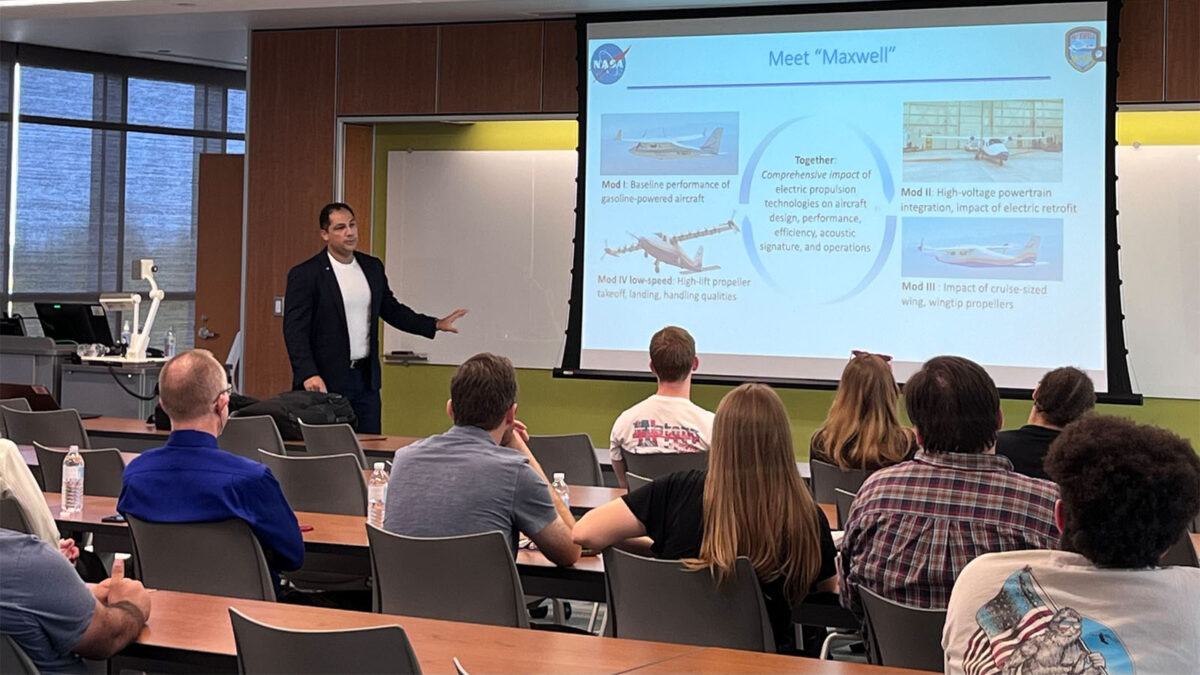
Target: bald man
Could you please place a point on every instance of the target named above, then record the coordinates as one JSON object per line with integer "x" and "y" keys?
{"x": 191, "y": 480}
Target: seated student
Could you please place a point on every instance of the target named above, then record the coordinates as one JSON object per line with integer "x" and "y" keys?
{"x": 863, "y": 429}
{"x": 192, "y": 480}
{"x": 1063, "y": 396}
{"x": 479, "y": 476}
{"x": 668, "y": 421}
{"x": 54, "y": 617}
{"x": 18, "y": 481}
{"x": 709, "y": 518}
{"x": 1101, "y": 604}
{"x": 914, "y": 526}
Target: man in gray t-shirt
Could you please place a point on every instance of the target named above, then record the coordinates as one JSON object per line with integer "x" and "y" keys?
{"x": 54, "y": 617}
{"x": 479, "y": 476}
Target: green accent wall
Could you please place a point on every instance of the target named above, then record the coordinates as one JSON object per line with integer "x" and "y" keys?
{"x": 414, "y": 397}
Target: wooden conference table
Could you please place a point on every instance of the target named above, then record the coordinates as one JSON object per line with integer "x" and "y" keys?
{"x": 135, "y": 435}
{"x": 196, "y": 630}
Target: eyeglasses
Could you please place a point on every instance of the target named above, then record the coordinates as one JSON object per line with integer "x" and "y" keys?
{"x": 887, "y": 358}
{"x": 226, "y": 390}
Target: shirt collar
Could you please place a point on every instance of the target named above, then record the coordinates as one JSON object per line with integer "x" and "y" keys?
{"x": 964, "y": 461}
{"x": 193, "y": 438}
{"x": 471, "y": 432}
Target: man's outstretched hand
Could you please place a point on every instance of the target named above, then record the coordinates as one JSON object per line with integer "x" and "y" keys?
{"x": 446, "y": 323}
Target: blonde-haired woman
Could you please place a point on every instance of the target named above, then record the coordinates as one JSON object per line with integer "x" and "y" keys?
{"x": 750, "y": 502}
{"x": 863, "y": 430}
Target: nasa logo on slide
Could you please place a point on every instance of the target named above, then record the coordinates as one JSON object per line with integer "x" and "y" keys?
{"x": 1083, "y": 48}
{"x": 608, "y": 63}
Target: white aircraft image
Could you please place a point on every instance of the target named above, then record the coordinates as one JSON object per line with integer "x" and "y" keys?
{"x": 666, "y": 249}
{"x": 974, "y": 255}
{"x": 675, "y": 148}
{"x": 992, "y": 149}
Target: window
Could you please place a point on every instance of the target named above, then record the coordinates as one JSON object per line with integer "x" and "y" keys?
{"x": 101, "y": 161}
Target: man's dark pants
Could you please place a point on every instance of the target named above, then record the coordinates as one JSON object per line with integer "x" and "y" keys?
{"x": 363, "y": 398}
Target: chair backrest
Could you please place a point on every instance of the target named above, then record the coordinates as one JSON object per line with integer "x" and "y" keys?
{"x": 332, "y": 439}
{"x": 662, "y": 600}
{"x": 828, "y": 477}
{"x": 332, "y": 484}
{"x": 13, "y": 659}
{"x": 12, "y": 515}
{"x": 102, "y": 473}
{"x": 657, "y": 464}
{"x": 14, "y": 404}
{"x": 470, "y": 578}
{"x": 842, "y": 499}
{"x": 221, "y": 558}
{"x": 570, "y": 454}
{"x": 263, "y": 649}
{"x": 1182, "y": 553}
{"x": 245, "y": 436}
{"x": 635, "y": 481}
{"x": 48, "y": 427}
{"x": 901, "y": 636}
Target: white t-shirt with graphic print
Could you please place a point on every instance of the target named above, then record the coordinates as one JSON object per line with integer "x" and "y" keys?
{"x": 661, "y": 424}
{"x": 1043, "y": 612}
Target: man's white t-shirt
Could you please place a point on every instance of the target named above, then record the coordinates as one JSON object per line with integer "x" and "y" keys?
{"x": 1055, "y": 612}
{"x": 661, "y": 424}
{"x": 356, "y": 297}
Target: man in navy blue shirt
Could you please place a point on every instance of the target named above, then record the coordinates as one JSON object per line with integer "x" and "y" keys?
{"x": 191, "y": 480}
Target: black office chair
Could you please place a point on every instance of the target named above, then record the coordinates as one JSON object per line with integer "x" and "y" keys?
{"x": 661, "y": 600}
{"x": 1182, "y": 553}
{"x": 12, "y": 515}
{"x": 13, "y": 404}
{"x": 570, "y": 454}
{"x": 842, "y": 500}
{"x": 222, "y": 558}
{"x": 902, "y": 636}
{"x": 263, "y": 649}
{"x": 657, "y": 464}
{"x": 828, "y": 477}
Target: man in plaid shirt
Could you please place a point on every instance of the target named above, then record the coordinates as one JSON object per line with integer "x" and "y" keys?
{"x": 914, "y": 526}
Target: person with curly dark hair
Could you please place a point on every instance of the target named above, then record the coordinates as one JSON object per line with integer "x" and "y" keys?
{"x": 1063, "y": 396}
{"x": 1104, "y": 603}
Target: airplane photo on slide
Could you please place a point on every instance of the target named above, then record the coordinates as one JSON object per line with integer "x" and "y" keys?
{"x": 975, "y": 255}
{"x": 666, "y": 249}
{"x": 675, "y": 148}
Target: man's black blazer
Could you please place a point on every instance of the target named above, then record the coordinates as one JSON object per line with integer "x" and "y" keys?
{"x": 314, "y": 320}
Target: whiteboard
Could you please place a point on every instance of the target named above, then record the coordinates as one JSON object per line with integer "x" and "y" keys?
{"x": 490, "y": 231}
{"x": 1158, "y": 200}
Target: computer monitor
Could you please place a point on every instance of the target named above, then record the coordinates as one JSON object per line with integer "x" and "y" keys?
{"x": 84, "y": 323}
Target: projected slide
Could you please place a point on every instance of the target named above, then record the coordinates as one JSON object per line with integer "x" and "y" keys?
{"x": 790, "y": 188}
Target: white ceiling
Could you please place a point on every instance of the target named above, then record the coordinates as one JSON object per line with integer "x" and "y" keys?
{"x": 214, "y": 32}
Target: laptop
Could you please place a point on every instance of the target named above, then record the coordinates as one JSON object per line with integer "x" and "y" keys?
{"x": 38, "y": 396}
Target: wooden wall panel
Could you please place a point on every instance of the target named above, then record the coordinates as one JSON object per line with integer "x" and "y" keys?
{"x": 358, "y": 157}
{"x": 560, "y": 68}
{"x": 1183, "y": 50}
{"x": 490, "y": 68}
{"x": 390, "y": 70}
{"x": 290, "y": 141}
{"x": 1140, "y": 54}
{"x": 219, "y": 250}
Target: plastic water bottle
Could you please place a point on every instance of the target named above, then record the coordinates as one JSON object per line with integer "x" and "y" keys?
{"x": 72, "y": 482}
{"x": 126, "y": 333}
{"x": 169, "y": 347}
{"x": 377, "y": 495}
{"x": 560, "y": 488}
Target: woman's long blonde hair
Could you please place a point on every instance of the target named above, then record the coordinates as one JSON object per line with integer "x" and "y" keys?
{"x": 755, "y": 503}
{"x": 863, "y": 429}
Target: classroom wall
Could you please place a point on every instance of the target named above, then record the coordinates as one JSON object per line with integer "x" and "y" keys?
{"x": 414, "y": 397}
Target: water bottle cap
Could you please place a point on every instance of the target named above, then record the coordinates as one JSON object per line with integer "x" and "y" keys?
{"x": 379, "y": 466}
{"x": 560, "y": 477}
{"x": 73, "y": 448}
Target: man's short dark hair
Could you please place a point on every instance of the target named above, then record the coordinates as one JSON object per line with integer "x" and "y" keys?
{"x": 1128, "y": 490}
{"x": 954, "y": 405}
{"x": 672, "y": 353}
{"x": 1064, "y": 395}
{"x": 482, "y": 390}
{"x": 323, "y": 219}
